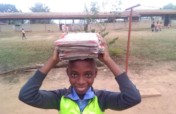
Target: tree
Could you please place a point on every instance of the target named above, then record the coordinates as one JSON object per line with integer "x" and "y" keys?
{"x": 90, "y": 13}
{"x": 94, "y": 8}
{"x": 5, "y": 8}
{"x": 39, "y": 7}
{"x": 87, "y": 19}
{"x": 115, "y": 8}
{"x": 8, "y": 8}
{"x": 170, "y": 6}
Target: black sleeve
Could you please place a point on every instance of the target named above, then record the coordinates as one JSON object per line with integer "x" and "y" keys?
{"x": 128, "y": 97}
{"x": 30, "y": 93}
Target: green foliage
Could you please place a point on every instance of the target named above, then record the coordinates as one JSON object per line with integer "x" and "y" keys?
{"x": 116, "y": 52}
{"x": 146, "y": 47}
{"x": 170, "y": 6}
{"x": 8, "y": 8}
{"x": 4, "y": 8}
{"x": 90, "y": 13}
{"x": 39, "y": 7}
{"x": 103, "y": 32}
{"x": 19, "y": 53}
{"x": 155, "y": 47}
{"x": 116, "y": 6}
{"x": 92, "y": 30}
{"x": 113, "y": 50}
{"x": 113, "y": 41}
{"x": 94, "y": 8}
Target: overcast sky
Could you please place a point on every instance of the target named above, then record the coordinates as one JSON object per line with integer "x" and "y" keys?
{"x": 78, "y": 5}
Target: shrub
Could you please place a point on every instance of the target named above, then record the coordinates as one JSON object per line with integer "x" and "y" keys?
{"x": 113, "y": 41}
{"x": 92, "y": 30}
{"x": 116, "y": 52}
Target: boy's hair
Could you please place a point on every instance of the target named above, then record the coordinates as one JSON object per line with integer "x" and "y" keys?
{"x": 92, "y": 60}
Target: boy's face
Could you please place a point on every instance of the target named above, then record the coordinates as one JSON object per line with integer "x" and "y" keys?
{"x": 81, "y": 75}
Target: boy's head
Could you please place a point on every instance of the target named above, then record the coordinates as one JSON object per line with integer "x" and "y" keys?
{"x": 81, "y": 74}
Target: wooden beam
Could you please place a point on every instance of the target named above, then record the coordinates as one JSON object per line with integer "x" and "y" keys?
{"x": 149, "y": 92}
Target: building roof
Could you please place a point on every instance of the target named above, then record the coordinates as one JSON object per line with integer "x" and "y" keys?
{"x": 101, "y": 15}
{"x": 156, "y": 12}
{"x": 53, "y": 15}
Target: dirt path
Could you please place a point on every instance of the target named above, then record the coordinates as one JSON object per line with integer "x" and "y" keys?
{"x": 161, "y": 77}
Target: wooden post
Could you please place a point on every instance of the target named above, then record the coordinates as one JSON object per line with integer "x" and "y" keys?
{"x": 129, "y": 35}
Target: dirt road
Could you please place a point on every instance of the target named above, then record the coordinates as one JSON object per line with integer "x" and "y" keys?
{"x": 161, "y": 77}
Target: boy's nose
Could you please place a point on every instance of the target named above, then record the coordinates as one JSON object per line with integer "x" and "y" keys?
{"x": 81, "y": 80}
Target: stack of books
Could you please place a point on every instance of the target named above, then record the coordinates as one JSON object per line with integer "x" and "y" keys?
{"x": 79, "y": 46}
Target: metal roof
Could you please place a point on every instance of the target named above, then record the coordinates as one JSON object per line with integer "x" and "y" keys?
{"x": 101, "y": 15}
{"x": 156, "y": 12}
{"x": 54, "y": 15}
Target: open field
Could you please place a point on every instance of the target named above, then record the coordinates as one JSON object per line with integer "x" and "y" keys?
{"x": 15, "y": 52}
{"x": 152, "y": 64}
{"x": 146, "y": 46}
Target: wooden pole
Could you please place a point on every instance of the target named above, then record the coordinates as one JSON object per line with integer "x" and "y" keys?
{"x": 129, "y": 35}
{"x": 128, "y": 42}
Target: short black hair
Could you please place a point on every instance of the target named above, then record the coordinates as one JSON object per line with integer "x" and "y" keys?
{"x": 86, "y": 59}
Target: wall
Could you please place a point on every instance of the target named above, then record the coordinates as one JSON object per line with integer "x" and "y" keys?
{"x": 7, "y": 28}
{"x": 121, "y": 25}
{"x": 143, "y": 24}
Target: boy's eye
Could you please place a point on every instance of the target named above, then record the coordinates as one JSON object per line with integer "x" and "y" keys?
{"x": 88, "y": 75}
{"x": 73, "y": 75}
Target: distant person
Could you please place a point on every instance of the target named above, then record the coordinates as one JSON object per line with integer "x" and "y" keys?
{"x": 157, "y": 26}
{"x": 23, "y": 34}
{"x": 169, "y": 25}
{"x": 81, "y": 97}
{"x": 67, "y": 28}
{"x": 60, "y": 26}
{"x": 153, "y": 26}
{"x": 160, "y": 26}
{"x": 63, "y": 28}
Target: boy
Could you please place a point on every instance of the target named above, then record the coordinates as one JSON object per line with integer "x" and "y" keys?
{"x": 81, "y": 98}
{"x": 153, "y": 26}
{"x": 23, "y": 34}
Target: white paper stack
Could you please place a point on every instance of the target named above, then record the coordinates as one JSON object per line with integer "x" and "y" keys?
{"x": 79, "y": 46}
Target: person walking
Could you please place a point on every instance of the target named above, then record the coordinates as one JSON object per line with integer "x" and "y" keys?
{"x": 23, "y": 34}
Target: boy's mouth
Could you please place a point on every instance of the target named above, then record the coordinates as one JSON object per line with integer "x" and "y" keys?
{"x": 81, "y": 89}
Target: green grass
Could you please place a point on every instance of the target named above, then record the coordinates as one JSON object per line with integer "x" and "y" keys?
{"x": 16, "y": 53}
{"x": 145, "y": 47}
{"x": 159, "y": 46}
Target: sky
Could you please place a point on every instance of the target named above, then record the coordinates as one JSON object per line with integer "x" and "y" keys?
{"x": 78, "y": 5}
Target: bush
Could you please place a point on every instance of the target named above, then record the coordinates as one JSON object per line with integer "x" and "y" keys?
{"x": 92, "y": 30}
{"x": 116, "y": 52}
{"x": 113, "y": 41}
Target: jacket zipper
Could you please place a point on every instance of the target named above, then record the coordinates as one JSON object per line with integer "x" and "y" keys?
{"x": 81, "y": 112}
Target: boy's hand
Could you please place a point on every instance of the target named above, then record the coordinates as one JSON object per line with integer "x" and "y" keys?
{"x": 52, "y": 61}
{"x": 104, "y": 57}
{"x": 55, "y": 55}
